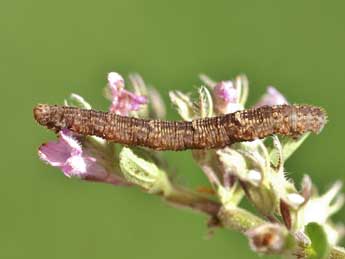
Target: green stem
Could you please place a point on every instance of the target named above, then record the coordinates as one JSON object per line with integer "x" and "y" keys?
{"x": 229, "y": 216}
{"x": 184, "y": 198}
{"x": 235, "y": 218}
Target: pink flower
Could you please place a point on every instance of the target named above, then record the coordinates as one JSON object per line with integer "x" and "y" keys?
{"x": 67, "y": 154}
{"x": 226, "y": 97}
{"x": 123, "y": 101}
{"x": 272, "y": 97}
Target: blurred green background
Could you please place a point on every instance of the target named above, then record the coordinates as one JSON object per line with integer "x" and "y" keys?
{"x": 49, "y": 49}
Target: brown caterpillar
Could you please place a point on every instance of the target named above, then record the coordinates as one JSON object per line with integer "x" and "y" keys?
{"x": 208, "y": 133}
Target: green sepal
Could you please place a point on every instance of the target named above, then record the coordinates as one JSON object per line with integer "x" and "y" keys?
{"x": 319, "y": 247}
{"x": 184, "y": 104}
{"x": 143, "y": 172}
{"x": 206, "y": 102}
{"x": 289, "y": 146}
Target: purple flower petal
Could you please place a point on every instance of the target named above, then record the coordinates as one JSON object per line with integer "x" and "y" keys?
{"x": 226, "y": 91}
{"x": 123, "y": 101}
{"x": 272, "y": 97}
{"x": 53, "y": 153}
{"x": 67, "y": 138}
{"x": 75, "y": 166}
{"x": 56, "y": 153}
{"x": 226, "y": 97}
{"x": 115, "y": 81}
{"x": 67, "y": 154}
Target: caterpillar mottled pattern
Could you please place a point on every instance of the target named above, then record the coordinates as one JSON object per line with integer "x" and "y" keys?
{"x": 208, "y": 133}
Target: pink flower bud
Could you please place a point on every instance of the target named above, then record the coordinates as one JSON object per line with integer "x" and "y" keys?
{"x": 226, "y": 97}
{"x": 226, "y": 91}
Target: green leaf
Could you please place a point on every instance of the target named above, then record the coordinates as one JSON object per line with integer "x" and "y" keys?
{"x": 183, "y": 104}
{"x": 206, "y": 102}
{"x": 319, "y": 247}
{"x": 289, "y": 146}
{"x": 276, "y": 156}
{"x": 242, "y": 85}
{"x": 143, "y": 172}
{"x": 207, "y": 81}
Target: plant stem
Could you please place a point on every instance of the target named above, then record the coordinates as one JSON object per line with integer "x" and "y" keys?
{"x": 182, "y": 197}
{"x": 235, "y": 218}
{"x": 229, "y": 216}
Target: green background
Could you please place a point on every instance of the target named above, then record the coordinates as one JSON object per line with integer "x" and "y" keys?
{"x": 49, "y": 49}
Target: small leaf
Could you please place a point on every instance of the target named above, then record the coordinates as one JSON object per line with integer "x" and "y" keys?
{"x": 277, "y": 157}
{"x": 183, "y": 103}
{"x": 143, "y": 172}
{"x": 76, "y": 100}
{"x": 319, "y": 248}
{"x": 242, "y": 84}
{"x": 207, "y": 81}
{"x": 206, "y": 103}
{"x": 289, "y": 146}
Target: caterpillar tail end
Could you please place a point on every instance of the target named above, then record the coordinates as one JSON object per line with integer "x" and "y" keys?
{"x": 311, "y": 118}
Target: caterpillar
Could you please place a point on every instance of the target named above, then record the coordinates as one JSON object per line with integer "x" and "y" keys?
{"x": 207, "y": 133}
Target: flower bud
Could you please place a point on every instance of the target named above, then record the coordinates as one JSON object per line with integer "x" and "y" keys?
{"x": 270, "y": 238}
{"x": 226, "y": 97}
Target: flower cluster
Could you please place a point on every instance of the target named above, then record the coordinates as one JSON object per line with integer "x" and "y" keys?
{"x": 122, "y": 100}
{"x": 290, "y": 221}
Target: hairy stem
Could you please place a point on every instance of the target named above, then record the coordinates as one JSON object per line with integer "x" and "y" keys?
{"x": 229, "y": 216}
{"x": 182, "y": 197}
{"x": 235, "y": 218}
